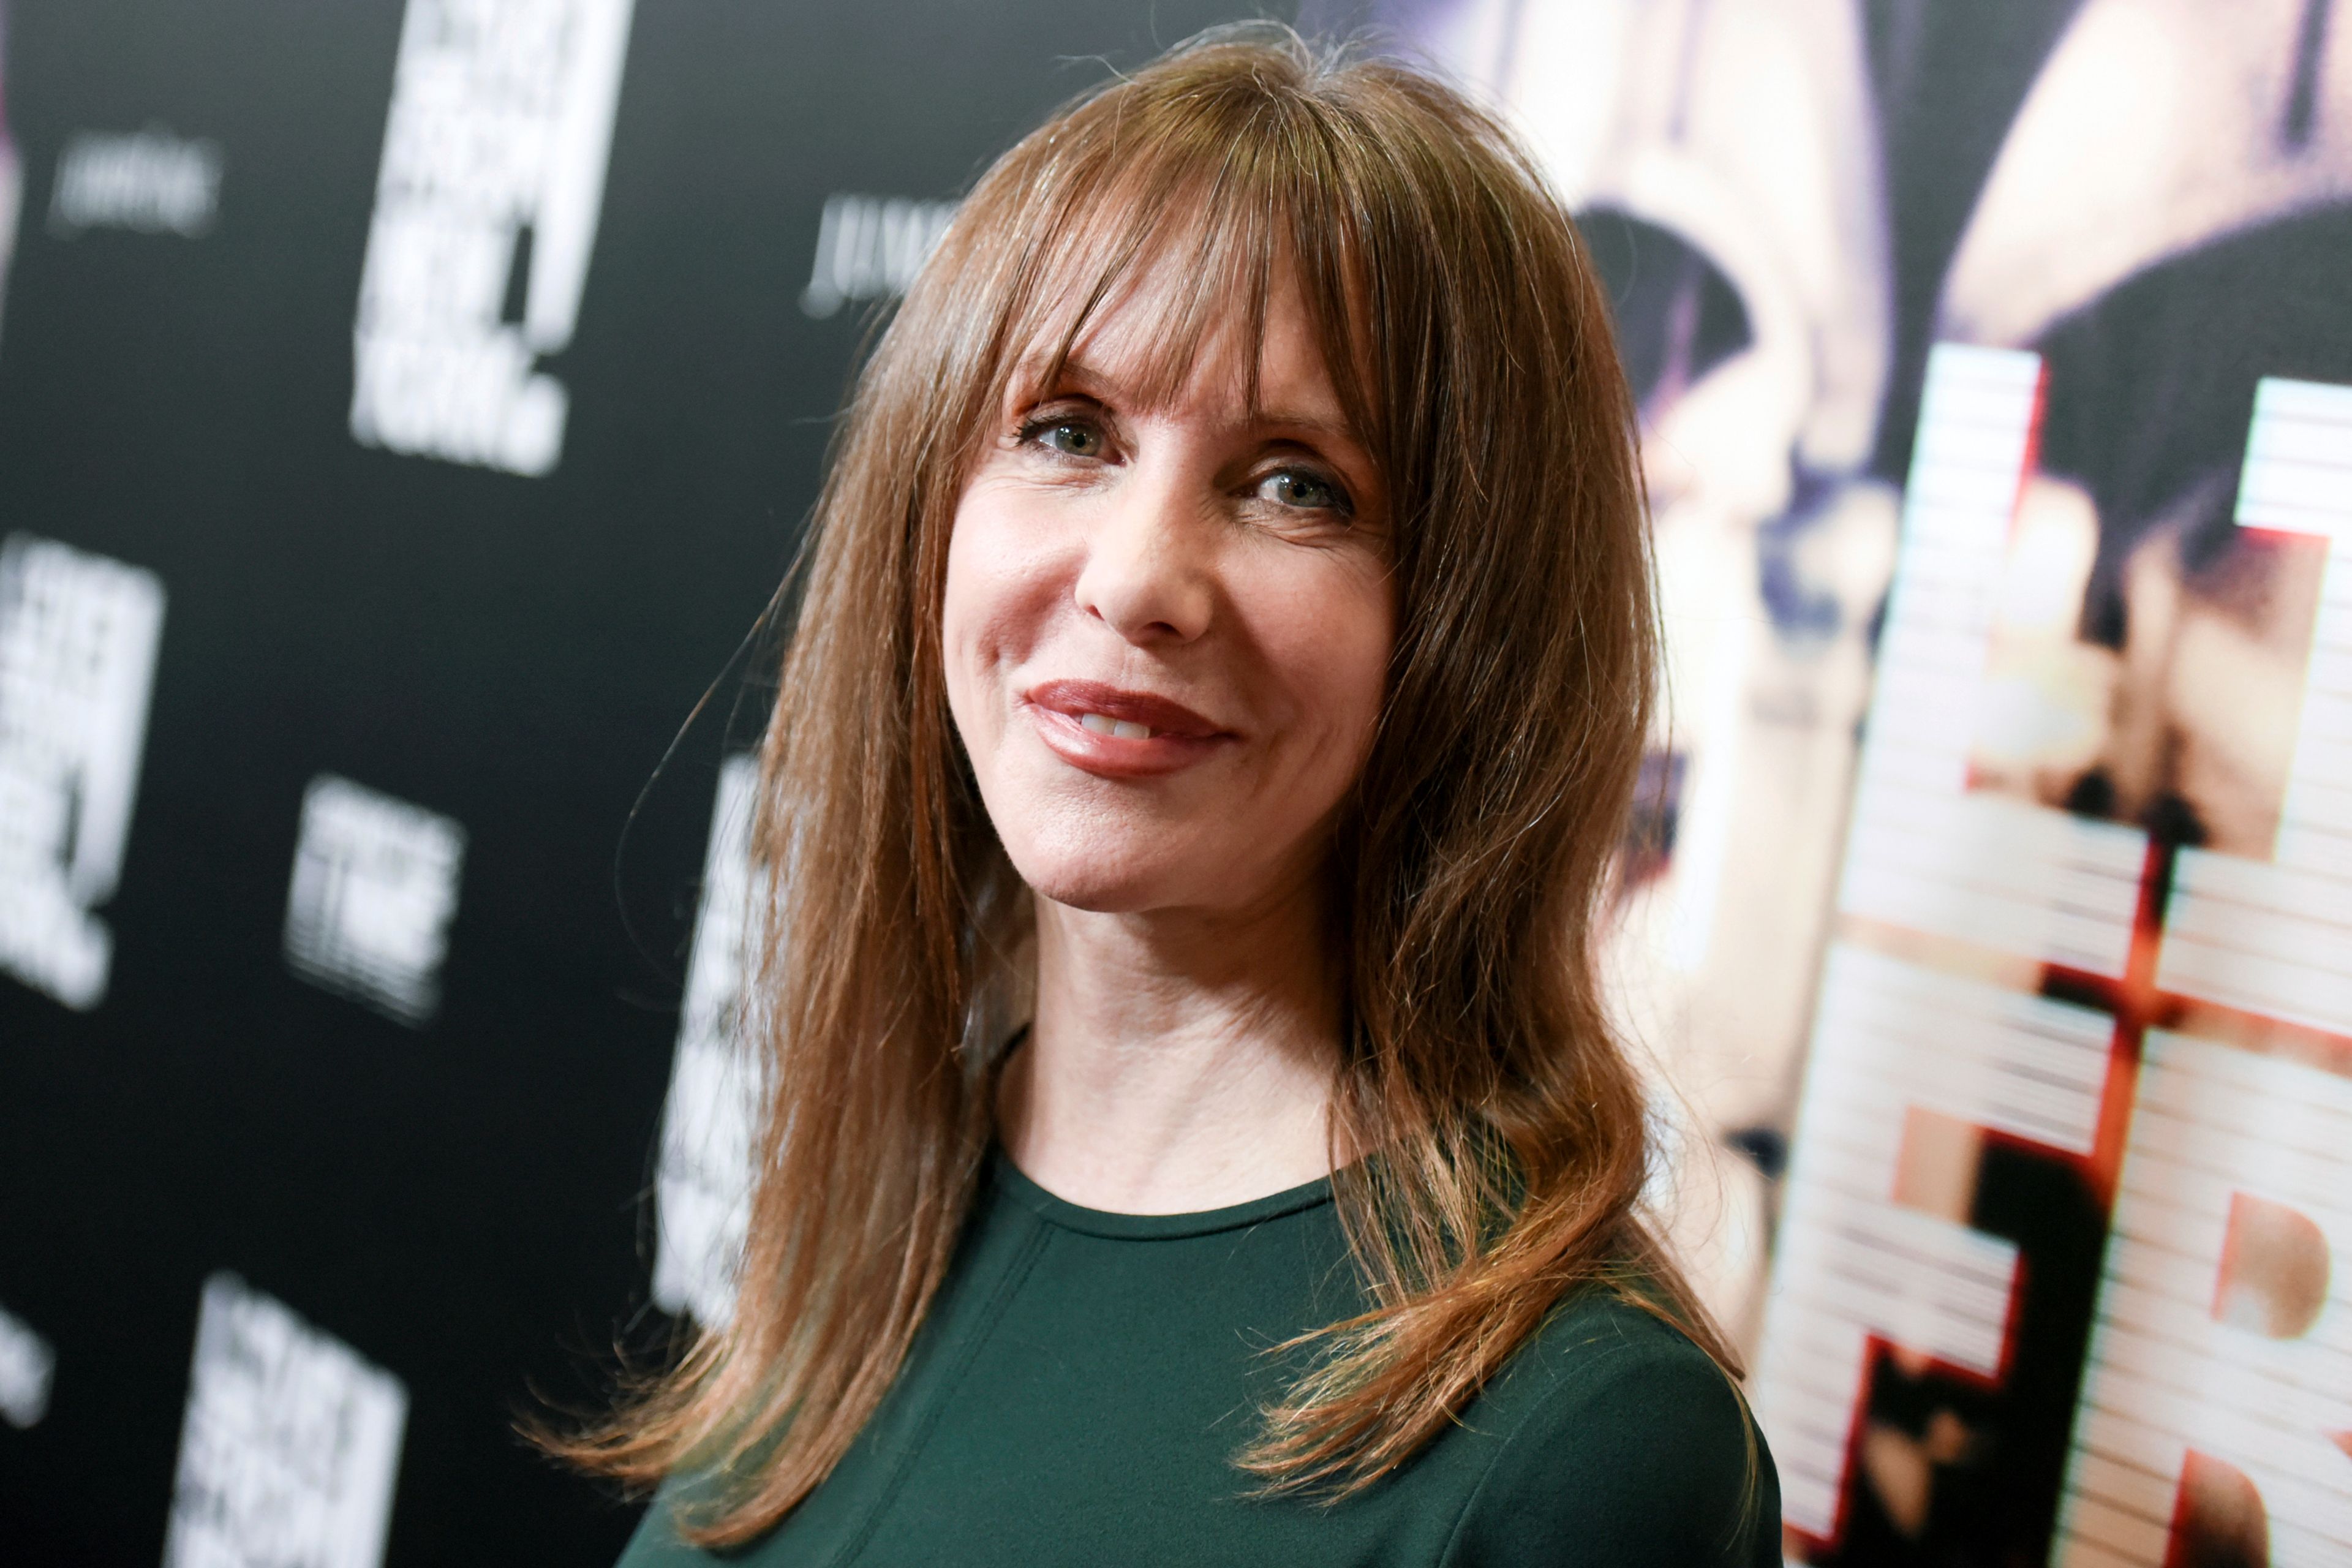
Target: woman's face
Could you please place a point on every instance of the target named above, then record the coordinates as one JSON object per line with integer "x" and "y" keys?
{"x": 1167, "y": 621}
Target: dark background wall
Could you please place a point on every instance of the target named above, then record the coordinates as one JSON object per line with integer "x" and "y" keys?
{"x": 461, "y": 1200}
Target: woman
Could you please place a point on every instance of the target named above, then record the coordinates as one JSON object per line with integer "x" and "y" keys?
{"x": 1193, "y": 1132}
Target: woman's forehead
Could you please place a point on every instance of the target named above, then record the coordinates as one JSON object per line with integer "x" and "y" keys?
{"x": 1194, "y": 322}
{"x": 1142, "y": 348}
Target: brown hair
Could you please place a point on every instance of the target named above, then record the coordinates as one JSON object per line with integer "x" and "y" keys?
{"x": 1470, "y": 343}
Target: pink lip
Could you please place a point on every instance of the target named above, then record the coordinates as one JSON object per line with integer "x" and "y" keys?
{"x": 1179, "y": 736}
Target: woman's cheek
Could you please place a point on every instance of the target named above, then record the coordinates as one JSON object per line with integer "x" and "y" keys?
{"x": 971, "y": 629}
{"x": 1004, "y": 562}
{"x": 1343, "y": 635}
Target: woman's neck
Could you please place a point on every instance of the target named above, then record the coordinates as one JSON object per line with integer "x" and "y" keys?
{"x": 1178, "y": 1061}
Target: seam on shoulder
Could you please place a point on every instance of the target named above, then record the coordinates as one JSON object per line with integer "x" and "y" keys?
{"x": 1612, "y": 1340}
{"x": 1559, "y": 1390}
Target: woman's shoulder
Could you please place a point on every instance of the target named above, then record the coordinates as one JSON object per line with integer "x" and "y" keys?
{"x": 1593, "y": 1341}
{"x": 1613, "y": 1437}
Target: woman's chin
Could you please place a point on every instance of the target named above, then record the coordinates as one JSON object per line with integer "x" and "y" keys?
{"x": 1110, "y": 878}
{"x": 1100, "y": 891}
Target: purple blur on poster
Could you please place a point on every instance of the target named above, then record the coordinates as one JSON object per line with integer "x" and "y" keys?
{"x": 12, "y": 174}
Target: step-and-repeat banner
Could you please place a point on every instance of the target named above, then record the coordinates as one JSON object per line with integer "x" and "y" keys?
{"x": 407, "y": 408}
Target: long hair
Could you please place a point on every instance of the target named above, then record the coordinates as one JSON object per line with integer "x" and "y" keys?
{"x": 1469, "y": 341}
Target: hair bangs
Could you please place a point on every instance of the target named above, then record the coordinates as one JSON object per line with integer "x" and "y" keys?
{"x": 1194, "y": 220}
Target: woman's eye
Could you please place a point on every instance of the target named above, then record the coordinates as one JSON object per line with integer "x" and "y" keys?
{"x": 1305, "y": 491}
{"x": 1071, "y": 437}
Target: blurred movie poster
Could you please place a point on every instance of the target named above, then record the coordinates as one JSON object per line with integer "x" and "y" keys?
{"x": 1724, "y": 163}
{"x": 12, "y": 174}
{"x": 1996, "y": 861}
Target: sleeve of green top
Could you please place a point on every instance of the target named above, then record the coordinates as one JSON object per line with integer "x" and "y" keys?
{"x": 1639, "y": 1455}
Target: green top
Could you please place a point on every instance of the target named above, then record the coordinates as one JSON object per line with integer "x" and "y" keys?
{"x": 1085, "y": 1379}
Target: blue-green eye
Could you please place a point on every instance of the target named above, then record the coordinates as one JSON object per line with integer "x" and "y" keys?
{"x": 1071, "y": 437}
{"x": 1303, "y": 490}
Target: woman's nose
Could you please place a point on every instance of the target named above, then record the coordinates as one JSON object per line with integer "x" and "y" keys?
{"x": 1147, "y": 574}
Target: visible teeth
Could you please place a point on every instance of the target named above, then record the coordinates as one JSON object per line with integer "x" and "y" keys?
{"x": 1125, "y": 728}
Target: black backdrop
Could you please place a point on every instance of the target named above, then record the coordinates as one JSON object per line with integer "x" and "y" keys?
{"x": 460, "y": 1201}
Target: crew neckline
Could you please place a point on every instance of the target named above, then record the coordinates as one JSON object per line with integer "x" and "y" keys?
{"x": 1067, "y": 1215}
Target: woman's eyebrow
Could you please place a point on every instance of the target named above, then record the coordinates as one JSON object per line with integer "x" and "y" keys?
{"x": 1307, "y": 424}
{"x": 1072, "y": 375}
{"x": 1080, "y": 378}
{"x": 1330, "y": 431}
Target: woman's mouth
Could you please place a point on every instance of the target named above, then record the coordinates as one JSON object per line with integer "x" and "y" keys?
{"x": 1126, "y": 729}
{"x": 1115, "y": 733}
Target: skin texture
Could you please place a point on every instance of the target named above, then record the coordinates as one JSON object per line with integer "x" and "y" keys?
{"x": 1109, "y": 549}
